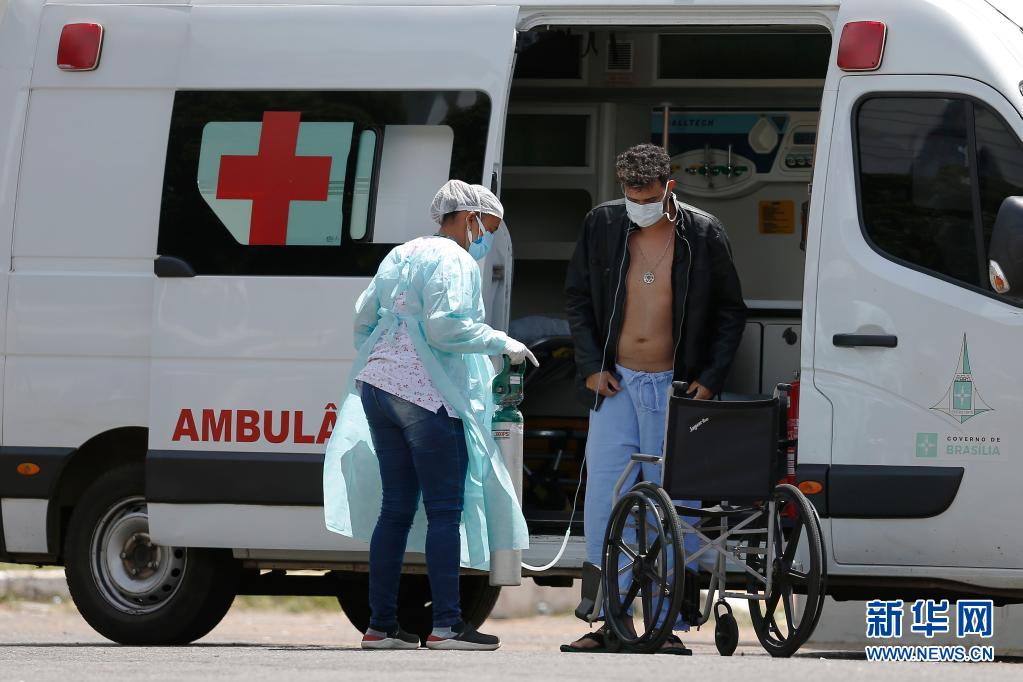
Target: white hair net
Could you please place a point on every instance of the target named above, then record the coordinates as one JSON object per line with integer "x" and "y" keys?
{"x": 456, "y": 195}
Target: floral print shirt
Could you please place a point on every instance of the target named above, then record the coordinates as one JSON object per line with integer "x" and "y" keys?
{"x": 394, "y": 366}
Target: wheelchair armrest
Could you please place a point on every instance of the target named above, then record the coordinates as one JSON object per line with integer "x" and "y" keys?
{"x": 637, "y": 458}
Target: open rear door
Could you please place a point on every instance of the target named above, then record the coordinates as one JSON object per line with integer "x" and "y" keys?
{"x": 305, "y": 142}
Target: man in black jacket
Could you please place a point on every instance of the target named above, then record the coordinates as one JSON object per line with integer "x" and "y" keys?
{"x": 652, "y": 296}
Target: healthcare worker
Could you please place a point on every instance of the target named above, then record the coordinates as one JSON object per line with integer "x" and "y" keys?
{"x": 415, "y": 422}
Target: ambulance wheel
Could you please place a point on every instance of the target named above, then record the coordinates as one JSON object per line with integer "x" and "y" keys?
{"x": 415, "y": 614}
{"x": 130, "y": 589}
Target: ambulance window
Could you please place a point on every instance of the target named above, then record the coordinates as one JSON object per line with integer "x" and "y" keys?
{"x": 999, "y": 165}
{"x": 915, "y": 186}
{"x": 294, "y": 183}
{"x": 363, "y": 180}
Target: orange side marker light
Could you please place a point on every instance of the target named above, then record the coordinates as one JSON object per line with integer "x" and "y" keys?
{"x": 810, "y": 487}
{"x": 28, "y": 469}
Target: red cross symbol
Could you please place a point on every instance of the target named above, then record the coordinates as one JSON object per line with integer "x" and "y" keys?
{"x": 274, "y": 177}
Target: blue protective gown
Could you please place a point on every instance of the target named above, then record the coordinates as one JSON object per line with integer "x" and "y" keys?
{"x": 444, "y": 317}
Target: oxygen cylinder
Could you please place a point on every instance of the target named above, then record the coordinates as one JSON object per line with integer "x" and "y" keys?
{"x": 507, "y": 427}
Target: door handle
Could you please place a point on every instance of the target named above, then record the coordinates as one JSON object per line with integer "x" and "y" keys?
{"x": 873, "y": 340}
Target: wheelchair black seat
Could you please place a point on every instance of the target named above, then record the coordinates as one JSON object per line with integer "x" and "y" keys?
{"x": 721, "y": 450}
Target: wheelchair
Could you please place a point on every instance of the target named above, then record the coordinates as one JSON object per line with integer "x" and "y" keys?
{"x": 761, "y": 539}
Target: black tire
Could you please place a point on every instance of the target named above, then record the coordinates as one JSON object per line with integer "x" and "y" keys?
{"x": 477, "y": 599}
{"x": 658, "y": 568}
{"x": 726, "y": 634}
{"x": 782, "y": 638}
{"x": 182, "y": 593}
{"x": 824, "y": 568}
{"x": 611, "y": 642}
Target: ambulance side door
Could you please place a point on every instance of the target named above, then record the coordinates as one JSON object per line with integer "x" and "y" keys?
{"x": 919, "y": 358}
{"x": 305, "y": 142}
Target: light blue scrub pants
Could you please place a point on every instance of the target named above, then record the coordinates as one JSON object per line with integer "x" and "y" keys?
{"x": 628, "y": 422}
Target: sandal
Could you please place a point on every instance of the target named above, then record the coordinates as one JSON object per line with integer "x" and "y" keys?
{"x": 597, "y": 636}
{"x": 679, "y": 649}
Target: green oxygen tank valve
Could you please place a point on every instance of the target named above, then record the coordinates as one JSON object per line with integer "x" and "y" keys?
{"x": 507, "y": 428}
{"x": 507, "y": 388}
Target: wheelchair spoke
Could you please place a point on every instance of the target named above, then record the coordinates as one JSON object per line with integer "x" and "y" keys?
{"x": 788, "y": 607}
{"x": 792, "y": 544}
{"x": 631, "y": 595}
{"x": 779, "y": 537}
{"x": 651, "y": 575}
{"x": 772, "y": 624}
{"x": 772, "y": 600}
{"x": 648, "y": 609}
{"x": 796, "y": 577}
{"x": 641, "y": 528}
{"x": 626, "y": 550}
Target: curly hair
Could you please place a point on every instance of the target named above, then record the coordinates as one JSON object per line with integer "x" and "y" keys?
{"x": 642, "y": 165}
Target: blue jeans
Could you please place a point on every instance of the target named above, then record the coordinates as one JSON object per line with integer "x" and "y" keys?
{"x": 631, "y": 421}
{"x": 418, "y": 451}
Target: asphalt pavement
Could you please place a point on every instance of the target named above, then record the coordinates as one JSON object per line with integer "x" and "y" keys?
{"x": 52, "y": 643}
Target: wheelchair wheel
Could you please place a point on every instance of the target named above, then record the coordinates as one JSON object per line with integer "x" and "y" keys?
{"x": 644, "y": 559}
{"x": 824, "y": 568}
{"x": 782, "y": 622}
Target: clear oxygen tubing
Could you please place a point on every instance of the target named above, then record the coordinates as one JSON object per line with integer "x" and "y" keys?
{"x": 582, "y": 469}
{"x": 596, "y": 398}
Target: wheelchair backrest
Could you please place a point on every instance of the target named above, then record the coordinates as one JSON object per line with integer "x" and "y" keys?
{"x": 721, "y": 450}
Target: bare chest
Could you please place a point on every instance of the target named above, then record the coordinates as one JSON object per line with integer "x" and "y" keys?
{"x": 648, "y": 286}
{"x": 650, "y": 260}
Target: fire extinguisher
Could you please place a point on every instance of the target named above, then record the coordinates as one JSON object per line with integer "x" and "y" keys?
{"x": 791, "y": 438}
{"x": 792, "y": 432}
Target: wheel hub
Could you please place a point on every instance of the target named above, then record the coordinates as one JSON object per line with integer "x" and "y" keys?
{"x": 639, "y": 566}
{"x": 134, "y": 574}
{"x": 140, "y": 557}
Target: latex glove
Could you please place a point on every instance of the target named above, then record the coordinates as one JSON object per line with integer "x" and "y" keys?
{"x": 517, "y": 351}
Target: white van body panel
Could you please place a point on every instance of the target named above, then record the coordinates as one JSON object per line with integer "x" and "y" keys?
{"x": 221, "y": 342}
{"x": 884, "y": 397}
{"x": 93, "y": 341}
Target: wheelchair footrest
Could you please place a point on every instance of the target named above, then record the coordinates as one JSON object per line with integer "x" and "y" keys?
{"x": 690, "y": 609}
{"x": 590, "y": 594}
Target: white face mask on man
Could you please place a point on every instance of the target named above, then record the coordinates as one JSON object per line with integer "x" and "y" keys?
{"x": 646, "y": 215}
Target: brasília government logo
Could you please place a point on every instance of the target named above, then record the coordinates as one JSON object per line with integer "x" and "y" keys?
{"x": 962, "y": 401}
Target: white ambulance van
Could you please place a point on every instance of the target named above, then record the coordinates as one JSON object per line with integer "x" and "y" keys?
{"x": 194, "y": 192}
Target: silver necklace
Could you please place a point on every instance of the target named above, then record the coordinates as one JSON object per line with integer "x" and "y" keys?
{"x": 648, "y": 276}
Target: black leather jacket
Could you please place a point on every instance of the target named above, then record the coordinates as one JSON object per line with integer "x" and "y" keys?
{"x": 707, "y": 310}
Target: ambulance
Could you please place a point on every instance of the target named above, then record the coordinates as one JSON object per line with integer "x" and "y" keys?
{"x": 194, "y": 192}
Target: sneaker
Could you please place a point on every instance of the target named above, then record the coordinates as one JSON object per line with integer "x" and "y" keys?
{"x": 461, "y": 637}
{"x": 396, "y": 639}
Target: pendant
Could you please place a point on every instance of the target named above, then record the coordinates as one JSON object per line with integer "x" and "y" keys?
{"x": 648, "y": 277}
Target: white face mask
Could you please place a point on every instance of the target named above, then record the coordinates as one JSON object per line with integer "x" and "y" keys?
{"x": 646, "y": 215}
